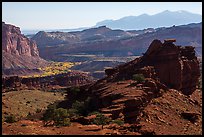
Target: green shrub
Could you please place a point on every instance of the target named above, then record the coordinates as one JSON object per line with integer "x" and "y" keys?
{"x": 139, "y": 78}
{"x": 101, "y": 120}
{"x": 38, "y": 110}
{"x": 59, "y": 116}
{"x": 94, "y": 113}
{"x": 49, "y": 113}
{"x": 118, "y": 121}
{"x": 83, "y": 107}
{"x": 200, "y": 84}
{"x": 75, "y": 90}
{"x": 72, "y": 113}
{"x": 29, "y": 116}
{"x": 10, "y": 119}
{"x": 79, "y": 107}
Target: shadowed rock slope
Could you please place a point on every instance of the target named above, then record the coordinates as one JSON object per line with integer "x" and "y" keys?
{"x": 166, "y": 102}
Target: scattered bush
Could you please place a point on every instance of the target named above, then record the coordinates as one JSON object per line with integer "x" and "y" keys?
{"x": 83, "y": 107}
{"x": 118, "y": 121}
{"x": 59, "y": 116}
{"x": 49, "y": 114}
{"x": 10, "y": 119}
{"x": 79, "y": 107}
{"x": 38, "y": 110}
{"x": 94, "y": 113}
{"x": 27, "y": 102}
{"x": 101, "y": 120}
{"x": 29, "y": 116}
{"x": 75, "y": 90}
{"x": 199, "y": 86}
{"x": 139, "y": 78}
{"x": 72, "y": 113}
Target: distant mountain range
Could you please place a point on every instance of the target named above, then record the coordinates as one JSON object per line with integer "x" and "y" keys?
{"x": 164, "y": 19}
{"x": 107, "y": 42}
{"x": 32, "y": 32}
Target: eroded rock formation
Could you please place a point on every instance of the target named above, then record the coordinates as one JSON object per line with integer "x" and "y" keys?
{"x": 48, "y": 82}
{"x": 15, "y": 43}
{"x": 171, "y": 72}
{"x": 18, "y": 52}
{"x": 175, "y": 66}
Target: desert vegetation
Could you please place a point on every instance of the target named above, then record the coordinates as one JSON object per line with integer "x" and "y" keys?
{"x": 101, "y": 119}
{"x": 139, "y": 78}
{"x": 53, "y": 69}
{"x": 10, "y": 118}
{"x": 59, "y": 116}
{"x": 55, "y": 115}
{"x": 24, "y": 103}
{"x": 81, "y": 108}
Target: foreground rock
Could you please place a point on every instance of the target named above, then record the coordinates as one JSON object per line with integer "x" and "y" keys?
{"x": 160, "y": 103}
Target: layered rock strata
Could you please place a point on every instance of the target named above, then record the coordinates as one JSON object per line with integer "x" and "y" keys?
{"x": 165, "y": 67}
{"x": 49, "y": 82}
{"x": 18, "y": 52}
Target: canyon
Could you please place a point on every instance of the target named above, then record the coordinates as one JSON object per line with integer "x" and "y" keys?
{"x": 149, "y": 81}
{"x": 90, "y": 45}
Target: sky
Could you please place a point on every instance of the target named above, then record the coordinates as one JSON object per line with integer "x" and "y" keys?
{"x": 70, "y": 15}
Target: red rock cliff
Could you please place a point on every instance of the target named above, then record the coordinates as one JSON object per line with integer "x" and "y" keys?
{"x": 175, "y": 66}
{"x": 16, "y": 43}
{"x": 20, "y": 55}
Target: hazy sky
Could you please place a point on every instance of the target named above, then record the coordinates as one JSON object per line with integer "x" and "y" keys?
{"x": 69, "y": 15}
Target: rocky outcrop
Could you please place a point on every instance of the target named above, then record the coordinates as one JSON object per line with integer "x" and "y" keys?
{"x": 101, "y": 33}
{"x": 165, "y": 67}
{"x": 175, "y": 66}
{"x": 49, "y": 82}
{"x": 18, "y": 52}
{"x": 14, "y": 42}
{"x": 54, "y": 38}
